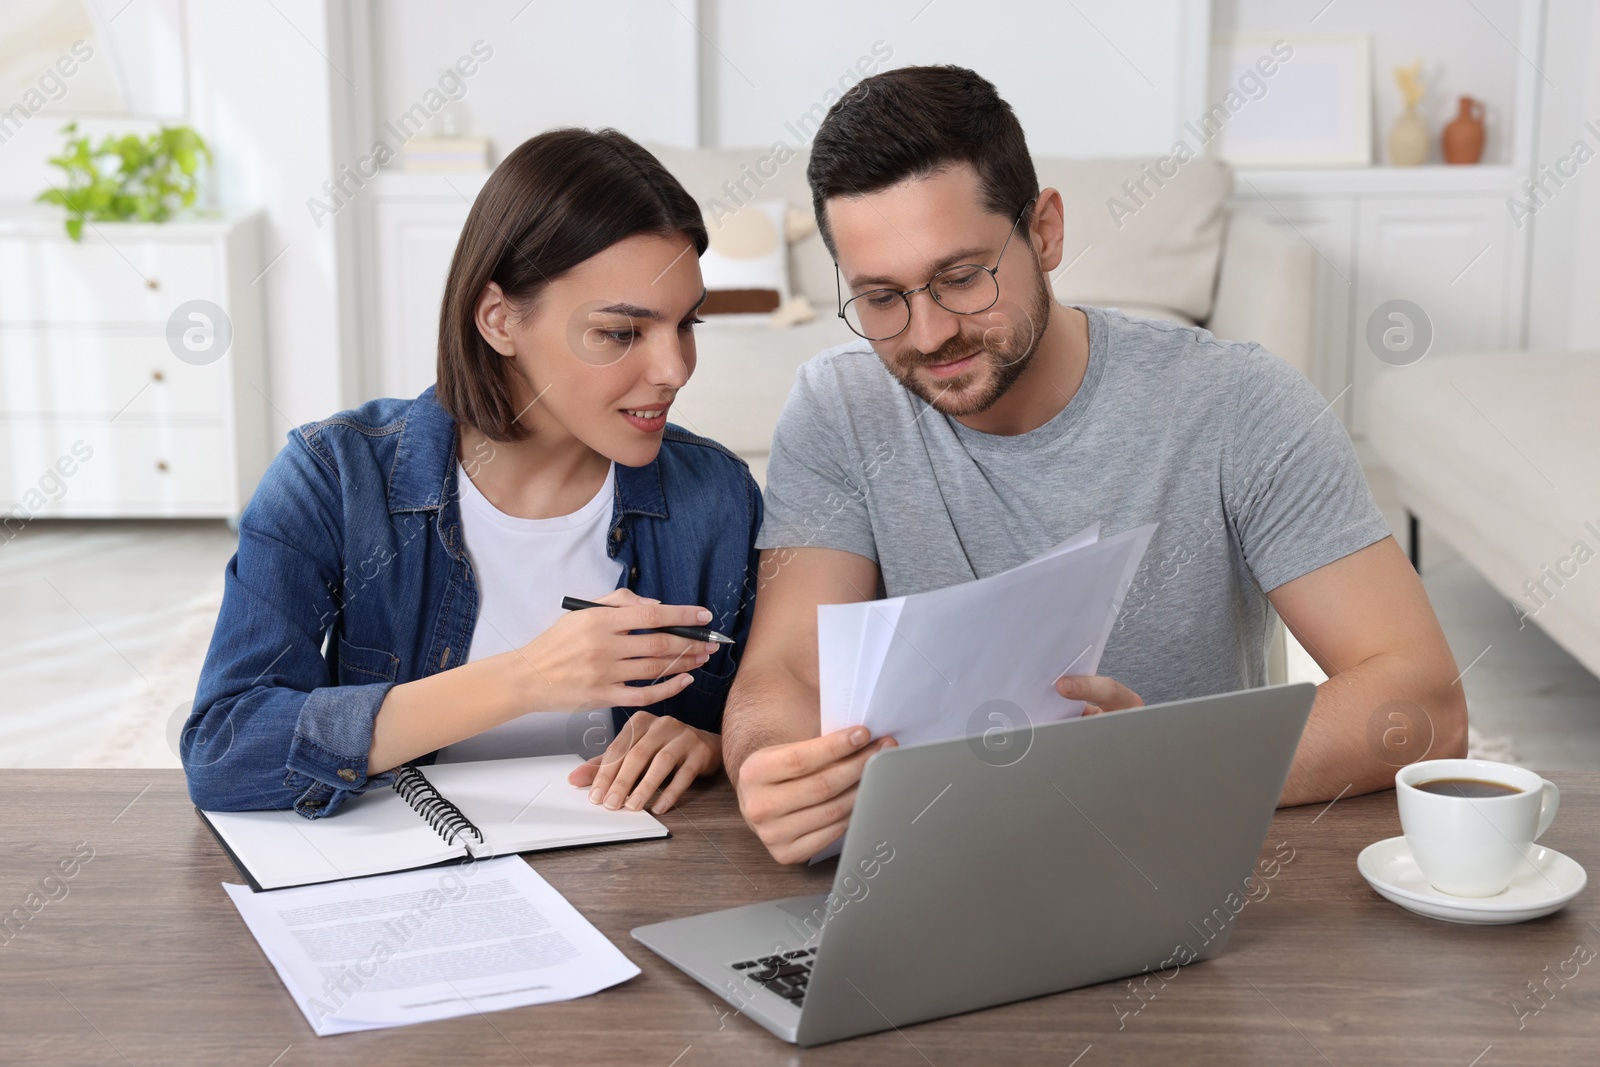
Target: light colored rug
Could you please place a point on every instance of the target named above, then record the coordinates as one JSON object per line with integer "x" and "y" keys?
{"x": 143, "y": 729}
{"x": 1498, "y": 749}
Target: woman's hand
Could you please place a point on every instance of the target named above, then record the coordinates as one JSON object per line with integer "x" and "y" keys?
{"x": 638, "y": 761}
{"x": 585, "y": 658}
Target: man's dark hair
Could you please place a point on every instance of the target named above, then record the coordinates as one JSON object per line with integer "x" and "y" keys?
{"x": 558, "y": 199}
{"x": 910, "y": 123}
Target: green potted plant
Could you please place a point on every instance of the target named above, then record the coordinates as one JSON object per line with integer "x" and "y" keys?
{"x": 128, "y": 177}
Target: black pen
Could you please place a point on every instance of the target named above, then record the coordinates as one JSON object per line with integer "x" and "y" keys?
{"x": 692, "y": 633}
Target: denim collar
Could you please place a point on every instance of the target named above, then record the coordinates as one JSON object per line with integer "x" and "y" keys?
{"x": 424, "y": 464}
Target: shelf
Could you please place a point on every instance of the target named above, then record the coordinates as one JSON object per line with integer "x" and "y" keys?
{"x": 398, "y": 185}
{"x": 1425, "y": 181}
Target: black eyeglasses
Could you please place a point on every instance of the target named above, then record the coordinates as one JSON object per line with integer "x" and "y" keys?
{"x": 966, "y": 289}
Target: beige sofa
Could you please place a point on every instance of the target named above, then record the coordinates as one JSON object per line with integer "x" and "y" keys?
{"x": 1171, "y": 250}
{"x": 1495, "y": 453}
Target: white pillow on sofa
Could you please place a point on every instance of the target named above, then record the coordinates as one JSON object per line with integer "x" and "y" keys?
{"x": 746, "y": 267}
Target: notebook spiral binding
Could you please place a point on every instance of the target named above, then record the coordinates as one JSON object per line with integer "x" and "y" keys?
{"x": 446, "y": 819}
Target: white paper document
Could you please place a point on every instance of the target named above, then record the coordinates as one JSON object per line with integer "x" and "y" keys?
{"x": 944, "y": 663}
{"x": 429, "y": 944}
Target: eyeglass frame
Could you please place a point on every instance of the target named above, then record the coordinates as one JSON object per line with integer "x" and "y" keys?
{"x": 905, "y": 295}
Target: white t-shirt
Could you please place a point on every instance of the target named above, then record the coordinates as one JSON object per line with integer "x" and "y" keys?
{"x": 523, "y": 567}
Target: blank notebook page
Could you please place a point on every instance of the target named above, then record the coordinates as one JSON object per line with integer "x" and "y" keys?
{"x": 373, "y": 833}
{"x": 526, "y": 803}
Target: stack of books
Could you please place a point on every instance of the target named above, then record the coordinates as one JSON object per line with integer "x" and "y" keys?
{"x": 446, "y": 155}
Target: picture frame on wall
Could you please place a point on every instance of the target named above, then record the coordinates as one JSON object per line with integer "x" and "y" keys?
{"x": 1290, "y": 100}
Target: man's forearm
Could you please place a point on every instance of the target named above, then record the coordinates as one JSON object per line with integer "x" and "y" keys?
{"x": 766, "y": 706}
{"x": 1370, "y": 720}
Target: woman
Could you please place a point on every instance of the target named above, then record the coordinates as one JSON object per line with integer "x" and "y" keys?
{"x": 396, "y": 595}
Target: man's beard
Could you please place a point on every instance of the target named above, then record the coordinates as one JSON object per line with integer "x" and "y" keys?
{"x": 1004, "y": 338}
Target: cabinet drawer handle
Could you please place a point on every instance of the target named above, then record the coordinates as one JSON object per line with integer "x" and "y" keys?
{"x": 157, "y": 376}
{"x": 161, "y": 465}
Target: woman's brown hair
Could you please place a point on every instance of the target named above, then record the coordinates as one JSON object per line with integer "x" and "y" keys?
{"x": 560, "y": 198}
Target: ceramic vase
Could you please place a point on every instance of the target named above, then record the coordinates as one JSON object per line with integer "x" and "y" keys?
{"x": 1463, "y": 138}
{"x": 1408, "y": 139}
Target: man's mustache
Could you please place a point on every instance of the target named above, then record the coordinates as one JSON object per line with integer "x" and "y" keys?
{"x": 957, "y": 347}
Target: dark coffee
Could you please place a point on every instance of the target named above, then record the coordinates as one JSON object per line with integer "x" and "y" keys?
{"x": 1471, "y": 788}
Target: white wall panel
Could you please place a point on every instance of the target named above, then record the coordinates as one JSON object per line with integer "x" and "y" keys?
{"x": 1091, "y": 78}
{"x": 624, "y": 63}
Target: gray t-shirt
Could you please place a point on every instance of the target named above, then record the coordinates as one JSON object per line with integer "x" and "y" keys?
{"x": 1234, "y": 453}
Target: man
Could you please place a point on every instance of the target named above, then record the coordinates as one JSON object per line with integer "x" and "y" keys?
{"x": 978, "y": 423}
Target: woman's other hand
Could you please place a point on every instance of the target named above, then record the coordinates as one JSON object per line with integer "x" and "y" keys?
{"x": 640, "y": 758}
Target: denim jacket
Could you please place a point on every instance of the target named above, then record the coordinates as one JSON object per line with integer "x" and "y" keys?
{"x": 351, "y": 577}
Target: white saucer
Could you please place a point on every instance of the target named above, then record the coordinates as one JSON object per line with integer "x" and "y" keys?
{"x": 1545, "y": 884}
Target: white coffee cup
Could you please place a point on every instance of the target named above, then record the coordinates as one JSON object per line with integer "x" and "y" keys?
{"x": 1473, "y": 846}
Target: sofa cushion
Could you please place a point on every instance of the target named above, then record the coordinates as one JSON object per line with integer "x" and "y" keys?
{"x": 1156, "y": 248}
{"x": 743, "y": 375}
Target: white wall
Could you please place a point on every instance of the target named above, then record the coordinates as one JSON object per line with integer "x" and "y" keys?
{"x": 1096, "y": 78}
{"x": 1584, "y": 316}
{"x": 624, "y": 63}
{"x": 1564, "y": 268}
{"x": 57, "y": 66}
{"x": 1093, "y": 78}
{"x": 262, "y": 95}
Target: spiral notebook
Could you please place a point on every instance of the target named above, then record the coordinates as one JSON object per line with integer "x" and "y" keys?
{"x": 446, "y": 812}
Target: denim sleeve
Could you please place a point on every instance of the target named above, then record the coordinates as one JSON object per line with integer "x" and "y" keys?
{"x": 735, "y": 559}
{"x": 752, "y": 569}
{"x": 704, "y": 701}
{"x": 271, "y": 726}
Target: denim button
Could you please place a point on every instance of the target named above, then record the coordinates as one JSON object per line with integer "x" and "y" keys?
{"x": 347, "y": 774}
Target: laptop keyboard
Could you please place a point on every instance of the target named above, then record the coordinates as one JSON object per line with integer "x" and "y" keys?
{"x": 785, "y": 975}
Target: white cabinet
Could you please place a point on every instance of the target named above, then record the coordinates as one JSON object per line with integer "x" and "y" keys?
{"x": 1450, "y": 256}
{"x": 1438, "y": 237}
{"x": 132, "y": 381}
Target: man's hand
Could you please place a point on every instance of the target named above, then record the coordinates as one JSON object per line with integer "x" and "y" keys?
{"x": 798, "y": 797}
{"x": 1099, "y": 694}
{"x": 638, "y": 760}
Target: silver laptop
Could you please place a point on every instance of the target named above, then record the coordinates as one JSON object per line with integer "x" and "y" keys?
{"x": 986, "y": 870}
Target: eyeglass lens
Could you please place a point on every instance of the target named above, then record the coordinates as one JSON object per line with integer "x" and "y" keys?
{"x": 884, "y": 313}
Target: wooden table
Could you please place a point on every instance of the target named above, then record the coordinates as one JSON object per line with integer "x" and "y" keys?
{"x": 145, "y": 961}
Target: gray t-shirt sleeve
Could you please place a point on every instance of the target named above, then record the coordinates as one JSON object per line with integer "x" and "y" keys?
{"x": 1292, "y": 486}
{"x": 816, "y": 489}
